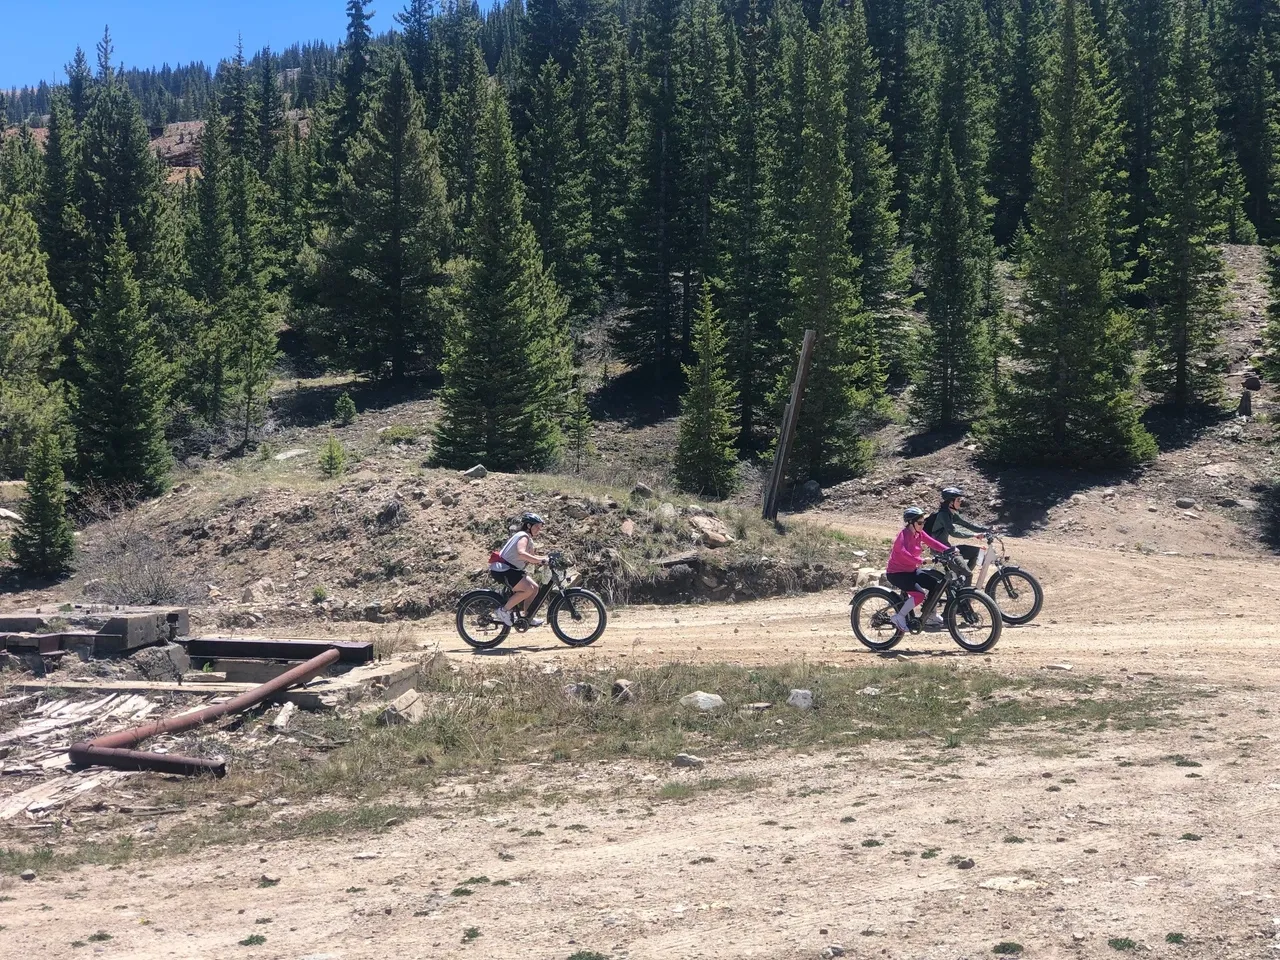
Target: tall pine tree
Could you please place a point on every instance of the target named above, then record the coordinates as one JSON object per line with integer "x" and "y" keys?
{"x": 1070, "y": 399}
{"x": 706, "y": 462}
{"x": 1016, "y": 117}
{"x": 845, "y": 378}
{"x": 121, "y": 391}
{"x": 33, "y": 326}
{"x": 1187, "y": 280}
{"x": 557, "y": 197}
{"x": 951, "y": 374}
{"x": 383, "y": 262}
{"x": 506, "y": 356}
{"x": 43, "y": 545}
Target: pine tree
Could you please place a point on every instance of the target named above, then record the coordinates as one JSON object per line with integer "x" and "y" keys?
{"x": 1238, "y": 228}
{"x": 1271, "y": 335}
{"x": 1016, "y": 119}
{"x": 354, "y": 77}
{"x": 1069, "y": 400}
{"x": 506, "y": 356}
{"x": 1187, "y": 279}
{"x": 649, "y": 334}
{"x": 43, "y": 546}
{"x": 845, "y": 378}
{"x": 558, "y": 204}
{"x": 706, "y": 462}
{"x": 120, "y": 397}
{"x": 205, "y": 376}
{"x": 21, "y": 169}
{"x": 459, "y": 137}
{"x": 578, "y": 429}
{"x": 1144, "y": 37}
{"x": 33, "y": 326}
{"x": 62, "y": 231}
{"x": 79, "y": 85}
{"x": 884, "y": 265}
{"x": 270, "y": 113}
{"x": 238, "y": 106}
{"x": 383, "y": 264}
{"x": 702, "y": 112}
{"x": 755, "y": 293}
{"x": 951, "y": 372}
{"x": 1258, "y": 142}
{"x": 415, "y": 21}
{"x": 602, "y": 106}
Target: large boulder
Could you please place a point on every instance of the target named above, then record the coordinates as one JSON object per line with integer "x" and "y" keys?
{"x": 711, "y": 531}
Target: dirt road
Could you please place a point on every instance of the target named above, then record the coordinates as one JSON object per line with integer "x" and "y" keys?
{"x": 1082, "y": 844}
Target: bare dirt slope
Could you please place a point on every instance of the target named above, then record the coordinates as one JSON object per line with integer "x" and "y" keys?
{"x": 1082, "y": 840}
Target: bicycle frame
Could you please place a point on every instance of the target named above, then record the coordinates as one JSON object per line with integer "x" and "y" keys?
{"x": 544, "y": 590}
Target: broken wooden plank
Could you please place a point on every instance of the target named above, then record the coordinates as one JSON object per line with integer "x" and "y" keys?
{"x": 282, "y": 719}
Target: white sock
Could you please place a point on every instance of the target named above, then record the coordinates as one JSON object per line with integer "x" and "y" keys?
{"x": 907, "y": 608}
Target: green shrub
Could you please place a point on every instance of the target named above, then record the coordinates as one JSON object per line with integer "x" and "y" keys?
{"x": 344, "y": 410}
{"x": 333, "y": 458}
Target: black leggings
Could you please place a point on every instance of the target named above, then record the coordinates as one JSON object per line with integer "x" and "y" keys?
{"x": 916, "y": 581}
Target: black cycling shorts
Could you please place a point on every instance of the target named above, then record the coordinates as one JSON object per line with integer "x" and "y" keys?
{"x": 511, "y": 576}
{"x": 922, "y": 580}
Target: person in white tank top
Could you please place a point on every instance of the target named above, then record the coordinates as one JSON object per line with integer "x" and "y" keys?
{"x": 508, "y": 566}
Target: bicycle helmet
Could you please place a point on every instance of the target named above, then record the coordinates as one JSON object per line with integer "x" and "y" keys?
{"x": 528, "y": 520}
{"x": 952, "y": 493}
{"x": 912, "y": 514}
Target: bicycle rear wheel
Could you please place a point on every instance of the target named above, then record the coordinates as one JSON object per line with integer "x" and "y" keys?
{"x": 476, "y": 623}
{"x": 870, "y": 613}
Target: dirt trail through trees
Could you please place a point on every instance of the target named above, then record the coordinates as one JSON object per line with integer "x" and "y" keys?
{"x": 1081, "y": 839}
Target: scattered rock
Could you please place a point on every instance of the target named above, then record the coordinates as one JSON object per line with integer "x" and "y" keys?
{"x": 688, "y": 761}
{"x": 28, "y": 875}
{"x": 477, "y": 472}
{"x": 1152, "y": 508}
{"x": 1190, "y": 515}
{"x": 965, "y": 864}
{"x": 666, "y": 514}
{"x": 269, "y": 879}
{"x": 869, "y": 692}
{"x": 576, "y": 511}
{"x": 760, "y": 707}
{"x": 10, "y": 515}
{"x": 1010, "y": 884}
{"x": 1079, "y": 498}
{"x": 392, "y": 513}
{"x": 834, "y": 950}
{"x": 366, "y": 856}
{"x": 491, "y": 685}
{"x": 811, "y": 490}
{"x": 702, "y": 701}
{"x": 628, "y": 528}
{"x": 866, "y": 576}
{"x": 642, "y": 491}
{"x": 1252, "y": 382}
{"x": 259, "y": 591}
{"x": 582, "y": 692}
{"x": 245, "y": 803}
{"x": 1057, "y": 666}
{"x": 1109, "y": 493}
{"x": 624, "y": 691}
{"x": 712, "y": 531}
{"x": 801, "y": 699}
{"x": 1185, "y": 503}
{"x": 290, "y": 454}
{"x": 409, "y": 707}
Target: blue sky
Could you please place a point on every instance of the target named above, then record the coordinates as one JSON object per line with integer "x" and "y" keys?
{"x": 38, "y": 36}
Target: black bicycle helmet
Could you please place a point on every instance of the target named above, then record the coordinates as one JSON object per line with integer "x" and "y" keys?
{"x": 528, "y": 520}
{"x": 951, "y": 493}
{"x": 912, "y": 514}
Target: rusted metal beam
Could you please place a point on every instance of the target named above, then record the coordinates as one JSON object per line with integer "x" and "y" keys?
{"x": 110, "y": 750}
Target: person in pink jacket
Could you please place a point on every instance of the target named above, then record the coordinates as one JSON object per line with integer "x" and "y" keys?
{"x": 903, "y": 569}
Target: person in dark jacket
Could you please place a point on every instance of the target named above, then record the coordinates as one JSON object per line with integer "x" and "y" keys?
{"x": 942, "y": 525}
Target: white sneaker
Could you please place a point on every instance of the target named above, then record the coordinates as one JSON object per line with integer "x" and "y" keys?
{"x": 934, "y": 621}
{"x": 899, "y": 621}
{"x": 502, "y": 615}
{"x": 537, "y": 622}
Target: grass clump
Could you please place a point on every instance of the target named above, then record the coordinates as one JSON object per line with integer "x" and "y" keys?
{"x": 1121, "y": 943}
{"x": 1007, "y": 948}
{"x": 400, "y": 433}
{"x": 470, "y": 934}
{"x": 100, "y": 937}
{"x": 1175, "y": 938}
{"x": 253, "y": 940}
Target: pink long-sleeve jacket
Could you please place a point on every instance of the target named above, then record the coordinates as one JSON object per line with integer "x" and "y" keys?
{"x": 908, "y": 550}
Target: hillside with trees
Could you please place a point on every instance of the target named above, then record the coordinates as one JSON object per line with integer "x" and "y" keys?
{"x": 1004, "y": 219}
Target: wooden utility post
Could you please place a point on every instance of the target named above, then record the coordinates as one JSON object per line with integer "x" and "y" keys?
{"x": 787, "y": 434}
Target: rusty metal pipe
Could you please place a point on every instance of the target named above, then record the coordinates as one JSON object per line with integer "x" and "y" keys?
{"x": 108, "y": 749}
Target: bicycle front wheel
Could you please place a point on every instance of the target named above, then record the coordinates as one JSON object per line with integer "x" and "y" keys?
{"x": 973, "y": 620}
{"x": 1018, "y": 595}
{"x": 578, "y": 618}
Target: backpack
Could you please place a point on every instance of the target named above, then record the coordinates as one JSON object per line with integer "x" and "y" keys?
{"x": 928, "y": 522}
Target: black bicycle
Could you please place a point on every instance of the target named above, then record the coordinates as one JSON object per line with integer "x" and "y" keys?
{"x": 576, "y": 615}
{"x": 971, "y": 617}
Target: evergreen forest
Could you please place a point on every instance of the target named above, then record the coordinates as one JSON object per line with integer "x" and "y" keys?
{"x": 478, "y": 201}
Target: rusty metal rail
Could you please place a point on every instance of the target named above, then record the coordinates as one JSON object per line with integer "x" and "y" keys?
{"x": 110, "y": 750}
